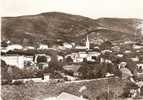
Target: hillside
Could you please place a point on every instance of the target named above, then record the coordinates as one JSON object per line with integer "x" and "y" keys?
{"x": 37, "y": 91}
{"x": 53, "y": 26}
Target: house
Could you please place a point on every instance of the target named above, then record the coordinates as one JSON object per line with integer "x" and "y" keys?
{"x": 60, "y": 58}
{"x": 106, "y": 51}
{"x": 140, "y": 65}
{"x": 28, "y": 48}
{"x": 135, "y": 59}
{"x": 96, "y": 48}
{"x": 42, "y": 47}
{"x": 72, "y": 67}
{"x": 80, "y": 47}
{"x": 14, "y": 60}
{"x": 41, "y": 55}
{"x": 140, "y": 68}
{"x": 42, "y": 65}
{"x": 28, "y": 61}
{"x": 14, "y": 47}
{"x": 18, "y": 60}
{"x": 137, "y": 47}
{"x": 61, "y": 48}
{"x": 127, "y": 51}
{"x": 3, "y": 50}
{"x": 120, "y": 55}
{"x": 67, "y": 96}
{"x": 116, "y": 48}
{"x": 79, "y": 56}
{"x": 98, "y": 41}
{"x": 109, "y": 75}
{"x": 57, "y": 47}
{"x": 92, "y": 54}
{"x": 129, "y": 42}
{"x": 104, "y": 60}
{"x": 138, "y": 51}
{"x": 67, "y": 45}
{"x": 64, "y": 46}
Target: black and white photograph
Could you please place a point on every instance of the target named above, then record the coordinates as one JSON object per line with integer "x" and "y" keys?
{"x": 71, "y": 50}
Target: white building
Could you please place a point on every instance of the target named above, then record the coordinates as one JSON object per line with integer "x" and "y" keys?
{"x": 42, "y": 47}
{"x": 106, "y": 51}
{"x": 67, "y": 45}
{"x": 115, "y": 48}
{"x": 91, "y": 54}
{"x": 79, "y": 56}
{"x": 80, "y": 47}
{"x": 60, "y": 48}
{"x": 3, "y": 49}
{"x": 140, "y": 65}
{"x": 137, "y": 46}
{"x": 17, "y": 60}
{"x": 129, "y": 42}
{"x": 47, "y": 56}
{"x": 128, "y": 51}
{"x": 14, "y": 47}
{"x": 60, "y": 58}
{"x": 29, "y": 48}
{"x": 135, "y": 59}
{"x": 14, "y": 60}
{"x": 120, "y": 55}
{"x": 67, "y": 96}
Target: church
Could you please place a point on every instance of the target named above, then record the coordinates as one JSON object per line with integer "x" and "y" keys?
{"x": 87, "y": 45}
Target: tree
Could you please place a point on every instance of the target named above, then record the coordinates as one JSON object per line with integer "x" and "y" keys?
{"x": 4, "y": 69}
{"x": 41, "y": 59}
{"x": 106, "y": 45}
{"x": 54, "y": 65}
{"x": 90, "y": 71}
{"x": 126, "y": 90}
{"x": 106, "y": 96}
{"x": 4, "y": 44}
{"x": 69, "y": 59}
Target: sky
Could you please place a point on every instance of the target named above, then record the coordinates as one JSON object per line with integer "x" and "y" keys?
{"x": 88, "y": 8}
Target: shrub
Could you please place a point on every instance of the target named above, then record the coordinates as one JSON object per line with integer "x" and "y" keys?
{"x": 41, "y": 59}
{"x": 18, "y": 83}
{"x": 106, "y": 96}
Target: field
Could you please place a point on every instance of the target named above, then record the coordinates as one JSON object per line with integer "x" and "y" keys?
{"x": 37, "y": 91}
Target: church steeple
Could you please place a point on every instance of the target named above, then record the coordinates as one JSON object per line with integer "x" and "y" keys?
{"x": 87, "y": 43}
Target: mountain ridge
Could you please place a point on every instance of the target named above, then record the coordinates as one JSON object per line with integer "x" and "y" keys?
{"x": 56, "y": 25}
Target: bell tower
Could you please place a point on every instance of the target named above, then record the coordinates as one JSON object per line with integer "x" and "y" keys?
{"x": 87, "y": 43}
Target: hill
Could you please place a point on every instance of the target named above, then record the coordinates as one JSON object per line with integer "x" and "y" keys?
{"x": 53, "y": 26}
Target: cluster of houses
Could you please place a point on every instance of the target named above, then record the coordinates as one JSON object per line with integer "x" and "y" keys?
{"x": 133, "y": 52}
{"x": 20, "y": 60}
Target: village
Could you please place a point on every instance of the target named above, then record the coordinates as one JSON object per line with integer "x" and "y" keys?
{"x": 71, "y": 62}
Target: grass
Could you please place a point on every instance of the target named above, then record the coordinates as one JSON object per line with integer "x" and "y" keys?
{"x": 31, "y": 90}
